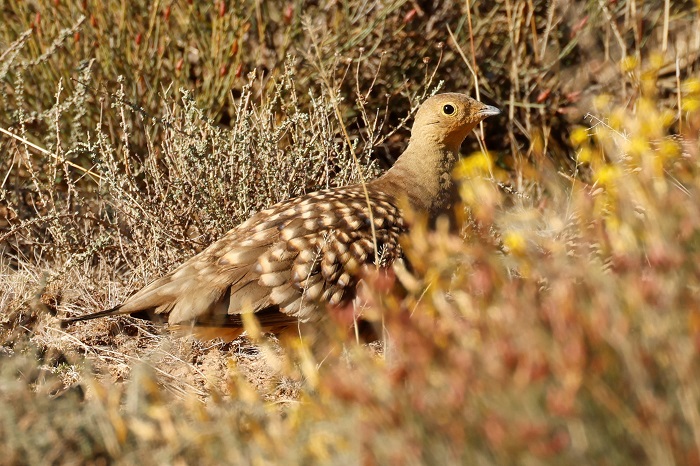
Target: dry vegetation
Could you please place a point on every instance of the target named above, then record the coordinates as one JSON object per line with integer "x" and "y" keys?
{"x": 562, "y": 326}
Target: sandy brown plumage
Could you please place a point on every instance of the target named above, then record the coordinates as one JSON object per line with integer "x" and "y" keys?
{"x": 289, "y": 262}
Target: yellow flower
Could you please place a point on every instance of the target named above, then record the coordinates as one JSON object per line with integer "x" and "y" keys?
{"x": 669, "y": 149}
{"x": 637, "y": 146}
{"x": 691, "y": 105}
{"x": 579, "y": 135}
{"x": 515, "y": 242}
{"x": 584, "y": 155}
{"x": 668, "y": 117}
{"x": 478, "y": 163}
{"x": 607, "y": 175}
{"x": 629, "y": 63}
{"x": 691, "y": 86}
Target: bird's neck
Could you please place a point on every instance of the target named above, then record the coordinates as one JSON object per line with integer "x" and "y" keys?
{"x": 423, "y": 174}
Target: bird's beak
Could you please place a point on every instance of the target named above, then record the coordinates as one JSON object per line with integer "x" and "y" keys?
{"x": 488, "y": 110}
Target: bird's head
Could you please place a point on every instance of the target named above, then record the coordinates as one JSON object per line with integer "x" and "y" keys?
{"x": 448, "y": 118}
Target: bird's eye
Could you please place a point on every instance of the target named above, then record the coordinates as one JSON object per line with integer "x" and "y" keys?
{"x": 448, "y": 109}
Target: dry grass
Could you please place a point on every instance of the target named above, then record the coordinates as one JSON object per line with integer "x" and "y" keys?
{"x": 560, "y": 327}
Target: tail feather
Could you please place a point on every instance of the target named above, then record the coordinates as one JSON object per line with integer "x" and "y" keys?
{"x": 95, "y": 315}
{"x": 115, "y": 311}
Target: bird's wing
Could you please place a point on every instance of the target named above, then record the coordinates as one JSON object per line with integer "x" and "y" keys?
{"x": 320, "y": 252}
{"x": 284, "y": 263}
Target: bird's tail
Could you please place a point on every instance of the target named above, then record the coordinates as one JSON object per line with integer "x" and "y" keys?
{"x": 117, "y": 310}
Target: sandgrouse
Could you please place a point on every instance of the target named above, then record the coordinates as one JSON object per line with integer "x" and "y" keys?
{"x": 289, "y": 262}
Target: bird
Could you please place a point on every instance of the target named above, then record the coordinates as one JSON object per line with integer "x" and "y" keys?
{"x": 290, "y": 263}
